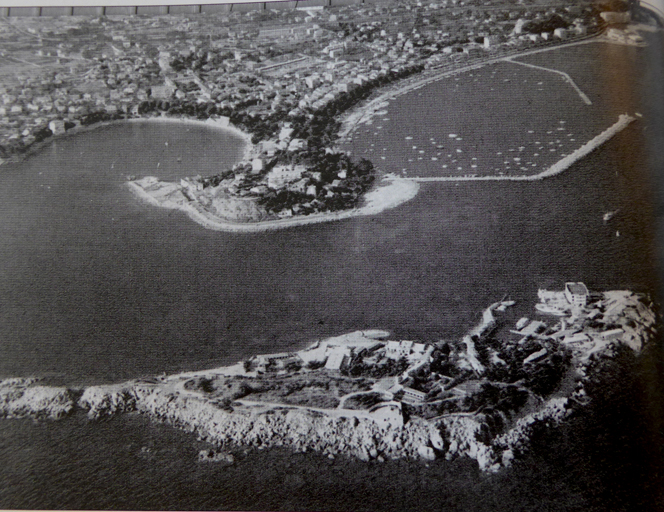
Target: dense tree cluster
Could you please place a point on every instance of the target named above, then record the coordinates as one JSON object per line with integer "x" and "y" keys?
{"x": 388, "y": 368}
{"x": 363, "y": 401}
{"x": 507, "y": 399}
{"x": 541, "y": 376}
{"x": 547, "y": 25}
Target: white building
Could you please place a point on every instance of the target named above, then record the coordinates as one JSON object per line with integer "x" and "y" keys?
{"x": 339, "y": 356}
{"x": 612, "y": 334}
{"x": 490, "y": 41}
{"x": 413, "y": 396}
{"x": 398, "y": 349}
{"x": 518, "y": 28}
{"x": 560, "y": 33}
{"x": 57, "y": 126}
{"x": 256, "y": 165}
{"x": 576, "y": 294}
{"x": 312, "y": 81}
{"x": 297, "y": 144}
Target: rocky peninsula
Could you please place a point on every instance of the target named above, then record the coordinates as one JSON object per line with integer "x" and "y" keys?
{"x": 220, "y": 211}
{"x": 366, "y": 396}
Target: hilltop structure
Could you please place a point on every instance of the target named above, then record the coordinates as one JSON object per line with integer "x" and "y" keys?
{"x": 367, "y": 396}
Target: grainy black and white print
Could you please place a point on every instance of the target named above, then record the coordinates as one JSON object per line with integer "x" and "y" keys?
{"x": 332, "y": 255}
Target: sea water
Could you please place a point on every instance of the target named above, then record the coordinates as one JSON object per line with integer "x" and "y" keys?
{"x": 98, "y": 287}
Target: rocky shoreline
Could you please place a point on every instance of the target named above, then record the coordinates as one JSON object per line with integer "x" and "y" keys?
{"x": 299, "y": 430}
{"x": 389, "y": 193}
{"x": 232, "y": 407}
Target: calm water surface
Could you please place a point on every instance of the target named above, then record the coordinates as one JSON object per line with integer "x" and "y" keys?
{"x": 97, "y": 287}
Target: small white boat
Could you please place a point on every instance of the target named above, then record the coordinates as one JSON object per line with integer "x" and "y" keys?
{"x": 550, "y": 310}
{"x": 609, "y": 215}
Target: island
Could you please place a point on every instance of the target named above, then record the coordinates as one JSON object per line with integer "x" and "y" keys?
{"x": 367, "y": 396}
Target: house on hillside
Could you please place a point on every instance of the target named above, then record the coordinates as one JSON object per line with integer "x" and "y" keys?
{"x": 413, "y": 396}
{"x": 398, "y": 349}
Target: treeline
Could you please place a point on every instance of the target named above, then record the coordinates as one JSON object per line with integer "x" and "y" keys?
{"x": 548, "y": 25}
{"x": 542, "y": 377}
{"x": 331, "y": 192}
{"x": 320, "y": 127}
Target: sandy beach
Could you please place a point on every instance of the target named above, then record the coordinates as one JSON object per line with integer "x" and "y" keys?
{"x": 390, "y": 193}
{"x": 211, "y": 122}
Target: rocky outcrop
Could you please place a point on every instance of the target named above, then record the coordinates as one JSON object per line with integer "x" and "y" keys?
{"x": 463, "y": 434}
{"x": 467, "y": 435}
{"x": 19, "y": 398}
{"x": 517, "y": 439}
{"x": 491, "y": 435}
{"x": 298, "y": 429}
{"x": 102, "y": 401}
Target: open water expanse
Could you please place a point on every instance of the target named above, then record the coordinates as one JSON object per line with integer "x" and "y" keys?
{"x": 98, "y": 287}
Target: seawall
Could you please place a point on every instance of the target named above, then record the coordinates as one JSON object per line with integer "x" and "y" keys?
{"x": 560, "y": 166}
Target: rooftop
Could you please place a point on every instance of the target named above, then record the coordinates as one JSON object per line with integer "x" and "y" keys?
{"x": 577, "y": 288}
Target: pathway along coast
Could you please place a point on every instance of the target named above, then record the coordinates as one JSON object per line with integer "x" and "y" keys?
{"x": 364, "y": 396}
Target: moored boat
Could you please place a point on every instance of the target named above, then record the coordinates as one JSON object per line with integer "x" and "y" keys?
{"x": 550, "y": 310}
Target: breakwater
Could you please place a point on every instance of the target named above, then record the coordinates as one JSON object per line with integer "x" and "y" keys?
{"x": 560, "y": 166}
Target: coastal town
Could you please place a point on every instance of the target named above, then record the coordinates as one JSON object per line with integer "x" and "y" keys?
{"x": 287, "y": 79}
{"x": 356, "y": 255}
{"x": 365, "y": 395}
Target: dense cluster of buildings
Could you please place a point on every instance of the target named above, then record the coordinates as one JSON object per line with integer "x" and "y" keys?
{"x": 277, "y": 64}
{"x": 531, "y": 358}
